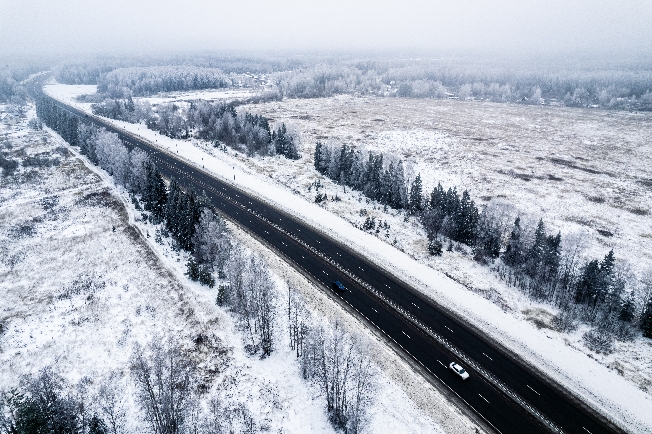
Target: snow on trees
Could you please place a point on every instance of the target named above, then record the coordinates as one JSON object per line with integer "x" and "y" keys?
{"x": 144, "y": 81}
{"x": 335, "y": 362}
{"x": 212, "y": 241}
{"x": 252, "y": 297}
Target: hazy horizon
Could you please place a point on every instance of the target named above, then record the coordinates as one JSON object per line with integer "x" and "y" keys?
{"x": 504, "y": 28}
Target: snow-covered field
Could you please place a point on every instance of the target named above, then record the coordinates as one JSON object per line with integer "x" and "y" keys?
{"x": 228, "y": 94}
{"x": 82, "y": 281}
{"x": 583, "y": 170}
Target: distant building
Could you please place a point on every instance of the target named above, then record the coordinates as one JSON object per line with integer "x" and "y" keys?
{"x": 9, "y": 119}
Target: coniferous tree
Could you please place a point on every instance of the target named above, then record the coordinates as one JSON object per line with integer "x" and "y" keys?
{"x": 399, "y": 190}
{"x": 587, "y": 288}
{"x": 334, "y": 167}
{"x": 320, "y": 158}
{"x": 487, "y": 242}
{"x": 346, "y": 162}
{"x": 154, "y": 194}
{"x": 534, "y": 255}
{"x": 432, "y": 220}
{"x": 438, "y": 198}
{"x": 192, "y": 269}
{"x": 514, "y": 255}
{"x": 465, "y": 220}
{"x": 627, "y": 310}
{"x": 416, "y": 195}
{"x": 87, "y": 134}
{"x": 551, "y": 257}
{"x": 435, "y": 247}
{"x": 211, "y": 241}
{"x": 646, "y": 320}
{"x": 596, "y": 281}
{"x": 97, "y": 426}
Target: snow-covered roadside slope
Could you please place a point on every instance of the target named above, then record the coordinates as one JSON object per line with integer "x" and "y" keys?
{"x": 550, "y": 351}
{"x": 83, "y": 281}
{"x": 80, "y": 288}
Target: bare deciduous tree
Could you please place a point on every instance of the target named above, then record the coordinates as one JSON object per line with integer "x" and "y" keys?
{"x": 211, "y": 240}
{"x": 164, "y": 377}
{"x": 110, "y": 404}
{"x": 298, "y": 320}
{"x": 334, "y": 361}
{"x": 252, "y": 296}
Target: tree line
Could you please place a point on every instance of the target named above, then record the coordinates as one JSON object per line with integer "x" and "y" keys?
{"x": 538, "y": 263}
{"x": 215, "y": 122}
{"x": 144, "y": 81}
{"x": 594, "y": 86}
{"x": 604, "y": 84}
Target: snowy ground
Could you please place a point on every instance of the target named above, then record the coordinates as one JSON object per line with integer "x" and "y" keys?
{"x": 208, "y": 95}
{"x": 560, "y": 151}
{"x": 168, "y": 97}
{"x": 65, "y": 225}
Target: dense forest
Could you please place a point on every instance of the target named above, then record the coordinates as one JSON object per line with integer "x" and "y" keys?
{"x": 137, "y": 81}
{"x": 542, "y": 265}
{"x": 608, "y": 85}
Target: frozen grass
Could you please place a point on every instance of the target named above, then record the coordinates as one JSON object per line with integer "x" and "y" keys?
{"x": 580, "y": 166}
{"x": 82, "y": 281}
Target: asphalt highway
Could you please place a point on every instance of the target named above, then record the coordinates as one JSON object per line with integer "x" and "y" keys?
{"x": 508, "y": 395}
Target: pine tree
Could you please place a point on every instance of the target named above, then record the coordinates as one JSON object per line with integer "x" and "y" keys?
{"x": 347, "y": 157}
{"x": 438, "y": 198}
{"x": 319, "y": 156}
{"x": 607, "y": 264}
{"x": 291, "y": 151}
{"x": 399, "y": 191}
{"x": 465, "y": 220}
{"x": 206, "y": 277}
{"x": 97, "y": 426}
{"x": 356, "y": 173}
{"x": 130, "y": 106}
{"x": 280, "y": 140}
{"x": 514, "y": 253}
{"x": 451, "y": 202}
{"x": 535, "y": 254}
{"x": 154, "y": 194}
{"x": 587, "y": 288}
{"x": 416, "y": 195}
{"x": 596, "y": 282}
{"x": 551, "y": 257}
{"x": 487, "y": 242}
{"x": 374, "y": 171}
{"x": 192, "y": 269}
{"x": 435, "y": 247}
{"x": 646, "y": 320}
{"x": 386, "y": 181}
{"x": 627, "y": 310}
{"x": 172, "y": 211}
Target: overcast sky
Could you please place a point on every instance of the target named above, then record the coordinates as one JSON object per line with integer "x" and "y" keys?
{"x": 519, "y": 26}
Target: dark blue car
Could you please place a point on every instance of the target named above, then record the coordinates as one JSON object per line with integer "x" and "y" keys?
{"x": 337, "y": 286}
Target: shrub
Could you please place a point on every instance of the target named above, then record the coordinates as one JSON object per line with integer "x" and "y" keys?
{"x": 599, "y": 341}
{"x": 435, "y": 247}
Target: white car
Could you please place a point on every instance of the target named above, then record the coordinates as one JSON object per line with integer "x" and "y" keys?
{"x": 459, "y": 370}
